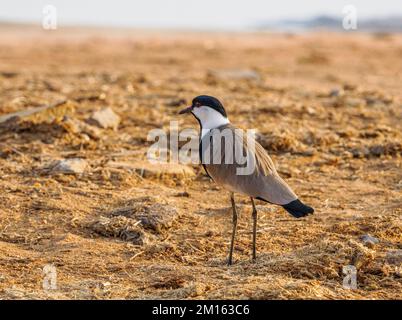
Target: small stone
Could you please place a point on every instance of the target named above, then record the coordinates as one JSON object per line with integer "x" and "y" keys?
{"x": 310, "y": 110}
{"x": 336, "y": 93}
{"x": 105, "y": 118}
{"x": 70, "y": 166}
{"x": 369, "y": 240}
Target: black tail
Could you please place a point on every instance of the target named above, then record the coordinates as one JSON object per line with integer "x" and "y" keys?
{"x": 297, "y": 209}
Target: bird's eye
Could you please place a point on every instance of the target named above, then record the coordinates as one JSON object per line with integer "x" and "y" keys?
{"x": 197, "y": 104}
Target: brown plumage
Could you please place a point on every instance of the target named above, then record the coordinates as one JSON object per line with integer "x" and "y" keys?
{"x": 264, "y": 183}
{"x": 254, "y": 176}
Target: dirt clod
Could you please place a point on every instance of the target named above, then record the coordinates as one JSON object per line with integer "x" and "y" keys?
{"x": 70, "y": 166}
{"x": 157, "y": 217}
{"x": 120, "y": 227}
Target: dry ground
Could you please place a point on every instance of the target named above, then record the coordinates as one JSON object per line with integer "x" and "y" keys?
{"x": 327, "y": 108}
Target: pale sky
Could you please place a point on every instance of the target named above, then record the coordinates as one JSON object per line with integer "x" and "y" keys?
{"x": 195, "y": 14}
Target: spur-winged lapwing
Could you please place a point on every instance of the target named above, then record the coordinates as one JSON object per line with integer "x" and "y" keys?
{"x": 260, "y": 182}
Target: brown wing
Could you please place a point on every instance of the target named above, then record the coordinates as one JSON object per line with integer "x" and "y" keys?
{"x": 263, "y": 182}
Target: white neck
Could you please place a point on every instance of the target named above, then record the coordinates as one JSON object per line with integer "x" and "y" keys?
{"x": 216, "y": 122}
{"x": 209, "y": 119}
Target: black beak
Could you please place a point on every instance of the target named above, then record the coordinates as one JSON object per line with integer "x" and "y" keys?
{"x": 186, "y": 110}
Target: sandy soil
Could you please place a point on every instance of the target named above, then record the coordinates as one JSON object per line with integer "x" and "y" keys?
{"x": 327, "y": 107}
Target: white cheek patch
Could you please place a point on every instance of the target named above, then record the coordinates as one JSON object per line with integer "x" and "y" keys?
{"x": 201, "y": 112}
{"x": 209, "y": 118}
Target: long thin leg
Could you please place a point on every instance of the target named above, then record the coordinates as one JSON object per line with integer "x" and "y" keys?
{"x": 234, "y": 228}
{"x": 254, "y": 214}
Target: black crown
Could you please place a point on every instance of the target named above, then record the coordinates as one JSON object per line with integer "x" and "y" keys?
{"x": 211, "y": 102}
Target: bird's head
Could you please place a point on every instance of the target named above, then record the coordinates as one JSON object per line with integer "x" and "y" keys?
{"x": 208, "y": 111}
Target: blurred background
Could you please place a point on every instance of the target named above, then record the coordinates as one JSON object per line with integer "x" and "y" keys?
{"x": 82, "y": 83}
{"x": 207, "y": 14}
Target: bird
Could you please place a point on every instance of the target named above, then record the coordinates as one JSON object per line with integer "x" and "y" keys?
{"x": 262, "y": 182}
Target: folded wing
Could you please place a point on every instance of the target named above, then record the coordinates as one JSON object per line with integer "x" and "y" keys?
{"x": 263, "y": 182}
